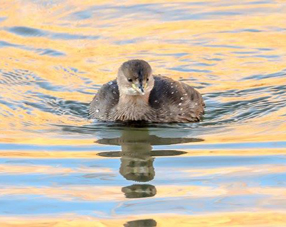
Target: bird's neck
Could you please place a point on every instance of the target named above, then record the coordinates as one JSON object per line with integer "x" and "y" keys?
{"x": 136, "y": 100}
{"x": 133, "y": 107}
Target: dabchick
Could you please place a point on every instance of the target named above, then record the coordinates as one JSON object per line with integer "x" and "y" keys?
{"x": 138, "y": 95}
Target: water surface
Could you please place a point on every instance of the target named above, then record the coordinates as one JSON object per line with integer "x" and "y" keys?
{"x": 59, "y": 168}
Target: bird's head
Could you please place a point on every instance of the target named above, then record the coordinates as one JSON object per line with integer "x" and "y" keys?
{"x": 135, "y": 78}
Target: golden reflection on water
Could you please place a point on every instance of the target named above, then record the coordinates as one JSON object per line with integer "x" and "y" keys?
{"x": 104, "y": 193}
{"x": 137, "y": 164}
{"x": 258, "y": 219}
{"x": 217, "y": 46}
{"x": 94, "y": 155}
{"x": 81, "y": 52}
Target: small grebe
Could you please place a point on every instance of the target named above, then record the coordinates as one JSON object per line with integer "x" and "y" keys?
{"x": 137, "y": 95}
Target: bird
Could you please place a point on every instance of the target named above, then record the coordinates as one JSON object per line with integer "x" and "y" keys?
{"x": 136, "y": 95}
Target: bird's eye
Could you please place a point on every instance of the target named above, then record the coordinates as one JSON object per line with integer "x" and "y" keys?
{"x": 147, "y": 79}
{"x": 130, "y": 80}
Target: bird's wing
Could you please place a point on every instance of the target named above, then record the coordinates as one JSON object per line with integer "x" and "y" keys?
{"x": 176, "y": 99}
{"x": 106, "y": 98}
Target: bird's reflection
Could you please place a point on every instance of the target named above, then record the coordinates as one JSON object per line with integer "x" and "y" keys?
{"x": 141, "y": 223}
{"x": 137, "y": 158}
{"x": 139, "y": 191}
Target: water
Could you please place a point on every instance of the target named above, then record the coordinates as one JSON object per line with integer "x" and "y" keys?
{"x": 58, "y": 168}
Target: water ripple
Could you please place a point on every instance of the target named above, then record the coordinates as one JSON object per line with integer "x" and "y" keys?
{"x": 244, "y": 108}
{"x": 33, "y": 32}
{"x": 41, "y": 51}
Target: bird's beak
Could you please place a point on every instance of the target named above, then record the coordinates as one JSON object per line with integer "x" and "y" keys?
{"x": 139, "y": 88}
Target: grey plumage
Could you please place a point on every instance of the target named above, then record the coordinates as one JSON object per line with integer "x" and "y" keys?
{"x": 174, "y": 101}
{"x": 169, "y": 101}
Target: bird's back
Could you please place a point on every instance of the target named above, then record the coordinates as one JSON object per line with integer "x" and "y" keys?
{"x": 175, "y": 101}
